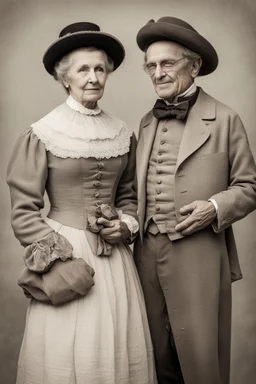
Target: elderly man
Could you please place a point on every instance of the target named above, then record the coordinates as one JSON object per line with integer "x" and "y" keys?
{"x": 196, "y": 177}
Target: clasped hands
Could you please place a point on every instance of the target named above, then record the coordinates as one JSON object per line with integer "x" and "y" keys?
{"x": 114, "y": 230}
{"x": 196, "y": 216}
{"x": 107, "y": 224}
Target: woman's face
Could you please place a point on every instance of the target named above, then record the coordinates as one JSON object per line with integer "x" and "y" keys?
{"x": 87, "y": 76}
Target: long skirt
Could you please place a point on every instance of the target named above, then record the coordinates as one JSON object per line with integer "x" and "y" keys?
{"x": 102, "y": 338}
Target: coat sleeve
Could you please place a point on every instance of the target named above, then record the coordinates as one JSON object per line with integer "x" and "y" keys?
{"x": 240, "y": 197}
{"x": 126, "y": 195}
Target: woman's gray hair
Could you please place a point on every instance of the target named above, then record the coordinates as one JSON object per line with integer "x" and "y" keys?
{"x": 62, "y": 67}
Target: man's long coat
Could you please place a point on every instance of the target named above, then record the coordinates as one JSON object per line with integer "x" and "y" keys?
{"x": 214, "y": 161}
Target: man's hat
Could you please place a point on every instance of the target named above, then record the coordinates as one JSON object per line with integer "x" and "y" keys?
{"x": 79, "y": 35}
{"x": 174, "y": 29}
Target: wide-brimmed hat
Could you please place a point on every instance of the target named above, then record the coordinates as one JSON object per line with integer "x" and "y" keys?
{"x": 83, "y": 34}
{"x": 174, "y": 29}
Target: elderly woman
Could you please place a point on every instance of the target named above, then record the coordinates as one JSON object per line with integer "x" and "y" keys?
{"x": 86, "y": 320}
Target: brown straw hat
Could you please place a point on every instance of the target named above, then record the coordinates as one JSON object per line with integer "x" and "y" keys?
{"x": 174, "y": 29}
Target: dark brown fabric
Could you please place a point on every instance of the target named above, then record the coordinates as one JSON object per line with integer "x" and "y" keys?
{"x": 166, "y": 358}
{"x": 214, "y": 161}
{"x": 193, "y": 276}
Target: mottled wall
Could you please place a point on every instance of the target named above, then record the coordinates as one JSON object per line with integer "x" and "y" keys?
{"x": 28, "y": 92}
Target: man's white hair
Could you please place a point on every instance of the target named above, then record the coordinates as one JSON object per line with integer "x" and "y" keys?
{"x": 186, "y": 52}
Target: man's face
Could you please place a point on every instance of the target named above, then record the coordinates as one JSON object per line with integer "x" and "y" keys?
{"x": 171, "y": 73}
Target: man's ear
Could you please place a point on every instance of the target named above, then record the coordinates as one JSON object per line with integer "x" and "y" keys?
{"x": 195, "y": 68}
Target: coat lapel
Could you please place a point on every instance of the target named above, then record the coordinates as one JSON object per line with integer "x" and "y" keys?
{"x": 196, "y": 132}
{"x": 147, "y": 139}
{"x": 147, "y": 136}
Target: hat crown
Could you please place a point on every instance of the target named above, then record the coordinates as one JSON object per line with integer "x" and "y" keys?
{"x": 169, "y": 28}
{"x": 175, "y": 21}
{"x": 79, "y": 35}
{"x": 79, "y": 27}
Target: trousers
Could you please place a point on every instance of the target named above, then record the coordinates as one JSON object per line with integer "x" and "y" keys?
{"x": 166, "y": 357}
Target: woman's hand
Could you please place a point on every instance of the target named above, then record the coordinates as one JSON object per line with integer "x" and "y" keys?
{"x": 114, "y": 230}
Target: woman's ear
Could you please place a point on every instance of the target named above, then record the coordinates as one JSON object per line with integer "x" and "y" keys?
{"x": 65, "y": 81}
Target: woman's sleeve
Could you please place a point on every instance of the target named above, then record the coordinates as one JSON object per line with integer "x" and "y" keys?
{"x": 26, "y": 176}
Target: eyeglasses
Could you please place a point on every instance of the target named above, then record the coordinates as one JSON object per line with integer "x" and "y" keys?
{"x": 166, "y": 66}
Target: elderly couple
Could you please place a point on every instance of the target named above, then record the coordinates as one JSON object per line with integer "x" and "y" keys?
{"x": 94, "y": 317}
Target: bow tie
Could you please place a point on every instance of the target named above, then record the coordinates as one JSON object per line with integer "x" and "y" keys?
{"x": 162, "y": 111}
{"x": 179, "y": 111}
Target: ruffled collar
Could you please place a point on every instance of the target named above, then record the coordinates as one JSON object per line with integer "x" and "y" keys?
{"x": 71, "y": 130}
{"x": 73, "y": 104}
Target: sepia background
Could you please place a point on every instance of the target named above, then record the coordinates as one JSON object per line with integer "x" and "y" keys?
{"x": 27, "y": 28}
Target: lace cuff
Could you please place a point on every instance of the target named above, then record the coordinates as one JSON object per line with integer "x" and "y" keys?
{"x": 40, "y": 255}
{"x": 130, "y": 221}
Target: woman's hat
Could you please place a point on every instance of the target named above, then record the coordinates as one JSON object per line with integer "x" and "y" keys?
{"x": 174, "y": 29}
{"x": 79, "y": 35}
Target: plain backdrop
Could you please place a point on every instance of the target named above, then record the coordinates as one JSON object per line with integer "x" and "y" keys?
{"x": 27, "y": 92}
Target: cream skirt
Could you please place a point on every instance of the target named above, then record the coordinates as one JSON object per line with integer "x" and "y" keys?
{"x": 102, "y": 338}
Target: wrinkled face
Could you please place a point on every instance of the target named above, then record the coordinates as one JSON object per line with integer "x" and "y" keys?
{"x": 86, "y": 77}
{"x": 172, "y": 72}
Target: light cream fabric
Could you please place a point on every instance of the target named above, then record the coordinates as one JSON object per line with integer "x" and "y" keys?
{"x": 102, "y": 338}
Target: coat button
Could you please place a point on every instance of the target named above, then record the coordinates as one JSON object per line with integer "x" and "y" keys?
{"x": 97, "y": 194}
{"x": 97, "y": 184}
{"x": 100, "y": 165}
{"x": 157, "y": 208}
{"x": 98, "y": 176}
{"x": 165, "y": 129}
{"x": 158, "y": 191}
{"x": 159, "y": 181}
{"x": 162, "y": 142}
{"x": 158, "y": 171}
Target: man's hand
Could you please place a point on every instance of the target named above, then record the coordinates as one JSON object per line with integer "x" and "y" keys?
{"x": 199, "y": 215}
{"x": 114, "y": 230}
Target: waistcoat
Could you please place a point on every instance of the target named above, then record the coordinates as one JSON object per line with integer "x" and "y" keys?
{"x": 160, "y": 179}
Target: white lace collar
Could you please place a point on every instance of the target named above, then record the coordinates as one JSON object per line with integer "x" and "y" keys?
{"x": 71, "y": 130}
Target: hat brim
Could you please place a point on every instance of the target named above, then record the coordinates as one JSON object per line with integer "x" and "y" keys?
{"x": 68, "y": 43}
{"x": 159, "y": 31}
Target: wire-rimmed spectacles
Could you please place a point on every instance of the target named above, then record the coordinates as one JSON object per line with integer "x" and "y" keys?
{"x": 166, "y": 66}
